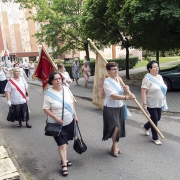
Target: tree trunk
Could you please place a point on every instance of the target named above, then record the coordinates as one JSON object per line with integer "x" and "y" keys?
{"x": 86, "y": 50}
{"x": 157, "y": 56}
{"x": 127, "y": 61}
{"x": 163, "y": 54}
{"x": 146, "y": 55}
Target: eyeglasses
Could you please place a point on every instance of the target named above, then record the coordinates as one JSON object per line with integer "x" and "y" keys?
{"x": 114, "y": 69}
{"x": 57, "y": 79}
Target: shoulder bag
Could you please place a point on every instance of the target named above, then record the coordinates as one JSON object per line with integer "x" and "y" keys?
{"x": 79, "y": 145}
{"x": 54, "y": 129}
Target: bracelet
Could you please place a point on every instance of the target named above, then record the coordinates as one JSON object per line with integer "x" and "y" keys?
{"x": 144, "y": 104}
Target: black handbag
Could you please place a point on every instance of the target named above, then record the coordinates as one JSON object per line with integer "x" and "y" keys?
{"x": 79, "y": 145}
{"x": 54, "y": 129}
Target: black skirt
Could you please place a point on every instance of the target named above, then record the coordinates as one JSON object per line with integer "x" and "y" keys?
{"x": 112, "y": 118}
{"x": 18, "y": 112}
{"x": 2, "y": 86}
{"x": 66, "y": 134}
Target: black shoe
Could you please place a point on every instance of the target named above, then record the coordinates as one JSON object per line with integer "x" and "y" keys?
{"x": 28, "y": 126}
{"x": 64, "y": 172}
{"x": 19, "y": 125}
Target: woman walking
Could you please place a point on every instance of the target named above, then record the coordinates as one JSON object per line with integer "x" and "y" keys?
{"x": 86, "y": 72}
{"x": 115, "y": 111}
{"x": 75, "y": 70}
{"x": 3, "y": 80}
{"x": 53, "y": 107}
{"x": 31, "y": 68}
{"x": 153, "y": 94}
{"x": 17, "y": 95}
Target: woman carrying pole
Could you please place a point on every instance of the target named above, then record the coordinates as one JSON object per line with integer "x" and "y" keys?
{"x": 115, "y": 111}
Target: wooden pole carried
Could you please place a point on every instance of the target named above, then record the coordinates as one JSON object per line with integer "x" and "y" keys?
{"x": 129, "y": 92}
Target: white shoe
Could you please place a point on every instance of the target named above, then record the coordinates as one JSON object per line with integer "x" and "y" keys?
{"x": 145, "y": 131}
{"x": 157, "y": 142}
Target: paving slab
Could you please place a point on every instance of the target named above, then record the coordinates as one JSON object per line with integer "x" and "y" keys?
{"x": 7, "y": 168}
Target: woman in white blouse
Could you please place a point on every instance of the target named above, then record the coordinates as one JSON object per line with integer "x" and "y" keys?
{"x": 114, "y": 108}
{"x": 153, "y": 96}
{"x": 67, "y": 80}
{"x": 53, "y": 108}
{"x": 3, "y": 80}
{"x": 17, "y": 95}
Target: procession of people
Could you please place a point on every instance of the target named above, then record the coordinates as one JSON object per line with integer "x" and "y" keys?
{"x": 59, "y": 102}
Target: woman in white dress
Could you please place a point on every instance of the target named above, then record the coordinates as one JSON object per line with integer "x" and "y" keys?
{"x": 17, "y": 95}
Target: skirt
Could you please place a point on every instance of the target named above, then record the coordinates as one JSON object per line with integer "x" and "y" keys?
{"x": 67, "y": 133}
{"x": 2, "y": 86}
{"x": 18, "y": 112}
{"x": 112, "y": 118}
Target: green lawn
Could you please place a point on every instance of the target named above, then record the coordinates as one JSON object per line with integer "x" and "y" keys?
{"x": 161, "y": 59}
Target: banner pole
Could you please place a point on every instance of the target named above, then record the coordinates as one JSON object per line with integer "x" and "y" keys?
{"x": 129, "y": 92}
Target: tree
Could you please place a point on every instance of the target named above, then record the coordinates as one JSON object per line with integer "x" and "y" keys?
{"x": 100, "y": 19}
{"x": 60, "y": 26}
{"x": 152, "y": 25}
{"x": 155, "y": 23}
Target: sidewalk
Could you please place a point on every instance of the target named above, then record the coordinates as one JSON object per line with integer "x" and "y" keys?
{"x": 9, "y": 168}
{"x": 135, "y": 87}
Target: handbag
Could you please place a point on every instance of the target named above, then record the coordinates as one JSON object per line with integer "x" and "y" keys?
{"x": 79, "y": 145}
{"x": 54, "y": 129}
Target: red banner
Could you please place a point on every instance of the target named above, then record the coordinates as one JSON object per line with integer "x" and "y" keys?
{"x": 44, "y": 67}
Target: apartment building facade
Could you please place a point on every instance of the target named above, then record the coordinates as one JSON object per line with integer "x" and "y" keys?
{"x": 16, "y": 36}
{"x": 16, "y": 32}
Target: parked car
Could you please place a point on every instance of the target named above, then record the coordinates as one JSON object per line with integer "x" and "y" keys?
{"x": 171, "y": 77}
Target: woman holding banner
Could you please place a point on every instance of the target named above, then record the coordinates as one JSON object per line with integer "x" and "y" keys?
{"x": 17, "y": 95}
{"x": 60, "y": 113}
{"x": 153, "y": 94}
{"x": 115, "y": 111}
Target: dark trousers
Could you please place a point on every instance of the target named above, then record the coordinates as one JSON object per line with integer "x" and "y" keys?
{"x": 27, "y": 72}
{"x": 155, "y": 117}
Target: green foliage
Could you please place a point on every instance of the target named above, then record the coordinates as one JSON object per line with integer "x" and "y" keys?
{"x": 121, "y": 62}
{"x": 155, "y": 23}
{"x": 60, "y": 25}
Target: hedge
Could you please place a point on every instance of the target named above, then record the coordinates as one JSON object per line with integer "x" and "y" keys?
{"x": 121, "y": 62}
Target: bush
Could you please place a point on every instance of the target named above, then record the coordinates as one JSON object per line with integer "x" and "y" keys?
{"x": 121, "y": 62}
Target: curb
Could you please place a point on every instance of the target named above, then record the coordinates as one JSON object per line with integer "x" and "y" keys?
{"x": 130, "y": 107}
{"x": 12, "y": 158}
{"x": 90, "y": 99}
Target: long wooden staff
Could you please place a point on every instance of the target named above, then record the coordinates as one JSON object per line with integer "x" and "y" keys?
{"x": 129, "y": 92}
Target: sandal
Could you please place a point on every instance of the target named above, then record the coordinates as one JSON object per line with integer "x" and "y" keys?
{"x": 119, "y": 152}
{"x": 64, "y": 172}
{"x": 69, "y": 163}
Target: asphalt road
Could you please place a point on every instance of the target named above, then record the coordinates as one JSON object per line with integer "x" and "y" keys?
{"x": 141, "y": 159}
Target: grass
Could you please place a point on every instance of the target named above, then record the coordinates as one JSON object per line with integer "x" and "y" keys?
{"x": 161, "y": 59}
